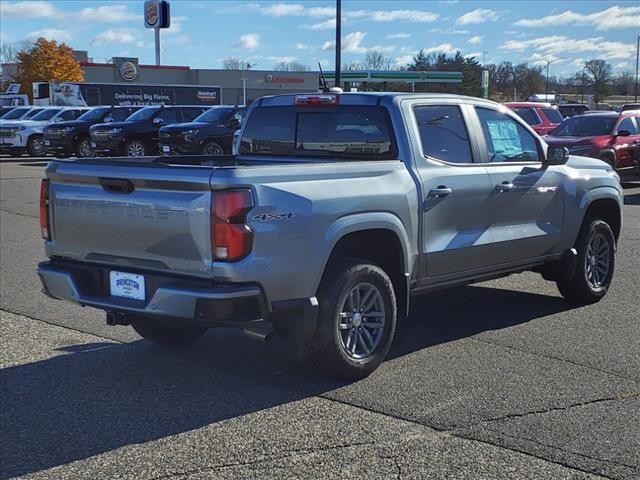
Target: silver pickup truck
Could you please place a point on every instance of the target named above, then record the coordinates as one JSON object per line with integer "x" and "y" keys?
{"x": 337, "y": 209}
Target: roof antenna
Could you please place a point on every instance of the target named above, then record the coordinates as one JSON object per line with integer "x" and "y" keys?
{"x": 325, "y": 87}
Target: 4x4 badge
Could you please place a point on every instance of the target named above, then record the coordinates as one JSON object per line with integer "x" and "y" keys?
{"x": 268, "y": 217}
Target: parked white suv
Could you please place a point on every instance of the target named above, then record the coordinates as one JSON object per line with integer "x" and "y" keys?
{"x": 19, "y": 136}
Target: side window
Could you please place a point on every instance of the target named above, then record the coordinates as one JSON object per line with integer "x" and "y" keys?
{"x": 70, "y": 114}
{"x": 528, "y": 114}
{"x": 507, "y": 140}
{"x": 168, "y": 115}
{"x": 191, "y": 113}
{"x": 626, "y": 124}
{"x": 553, "y": 115}
{"x": 119, "y": 114}
{"x": 443, "y": 133}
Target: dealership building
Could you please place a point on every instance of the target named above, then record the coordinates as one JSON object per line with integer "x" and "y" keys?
{"x": 129, "y": 71}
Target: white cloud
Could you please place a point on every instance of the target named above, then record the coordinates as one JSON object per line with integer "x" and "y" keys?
{"x": 477, "y": 39}
{"x": 473, "y": 55}
{"x": 416, "y": 16}
{"x": 399, "y": 35}
{"x": 105, "y": 14}
{"x": 248, "y": 41}
{"x": 442, "y": 48}
{"x": 479, "y": 15}
{"x": 302, "y": 46}
{"x": 352, "y": 43}
{"x": 613, "y": 17}
{"x": 300, "y": 10}
{"x": 51, "y": 34}
{"x": 284, "y": 59}
{"x": 622, "y": 66}
{"x": 539, "y": 59}
{"x": 449, "y": 31}
{"x": 326, "y": 25}
{"x": 281, "y": 9}
{"x": 27, "y": 9}
{"x": 560, "y": 44}
{"x": 117, "y": 35}
{"x": 403, "y": 60}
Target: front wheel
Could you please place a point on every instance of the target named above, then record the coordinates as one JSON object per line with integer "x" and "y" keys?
{"x": 83, "y": 148}
{"x": 596, "y": 246}
{"x": 35, "y": 146}
{"x": 356, "y": 321}
{"x": 166, "y": 334}
{"x": 135, "y": 148}
{"x": 212, "y": 148}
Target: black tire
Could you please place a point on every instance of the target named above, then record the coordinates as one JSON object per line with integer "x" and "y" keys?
{"x": 35, "y": 146}
{"x": 164, "y": 334}
{"x": 583, "y": 288}
{"x": 83, "y": 148}
{"x": 135, "y": 148}
{"x": 212, "y": 148}
{"x": 326, "y": 350}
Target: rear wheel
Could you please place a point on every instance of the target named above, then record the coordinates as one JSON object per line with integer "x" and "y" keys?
{"x": 356, "y": 321}
{"x": 212, "y": 148}
{"x": 135, "y": 148}
{"x": 83, "y": 148}
{"x": 595, "y": 264}
{"x": 163, "y": 334}
{"x": 35, "y": 146}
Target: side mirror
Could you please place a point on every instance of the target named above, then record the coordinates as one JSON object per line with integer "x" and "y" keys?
{"x": 157, "y": 121}
{"x": 557, "y": 155}
{"x": 233, "y": 123}
{"x": 108, "y": 119}
{"x": 623, "y": 133}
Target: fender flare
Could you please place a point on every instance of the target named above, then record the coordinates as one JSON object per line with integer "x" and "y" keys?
{"x": 358, "y": 222}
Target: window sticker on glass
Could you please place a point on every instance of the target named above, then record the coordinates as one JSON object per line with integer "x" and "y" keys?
{"x": 504, "y": 136}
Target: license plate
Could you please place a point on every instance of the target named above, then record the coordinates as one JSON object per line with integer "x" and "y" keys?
{"x": 47, "y": 142}
{"x": 94, "y": 144}
{"x": 128, "y": 285}
{"x": 166, "y": 148}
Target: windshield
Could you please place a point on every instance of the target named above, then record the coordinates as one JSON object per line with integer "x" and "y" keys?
{"x": 15, "y": 113}
{"x": 45, "y": 114}
{"x": 32, "y": 113}
{"x": 553, "y": 115}
{"x": 144, "y": 114}
{"x": 95, "y": 114}
{"x": 586, "y": 126}
{"x": 214, "y": 115}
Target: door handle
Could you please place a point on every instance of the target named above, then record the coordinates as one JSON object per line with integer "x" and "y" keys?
{"x": 440, "y": 192}
{"x": 505, "y": 186}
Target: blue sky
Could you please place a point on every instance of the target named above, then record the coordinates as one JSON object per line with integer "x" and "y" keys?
{"x": 265, "y": 33}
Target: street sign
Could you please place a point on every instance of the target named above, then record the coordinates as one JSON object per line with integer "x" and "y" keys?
{"x": 156, "y": 14}
{"x": 485, "y": 84}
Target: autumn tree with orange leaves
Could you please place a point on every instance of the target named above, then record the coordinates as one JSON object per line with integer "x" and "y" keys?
{"x": 47, "y": 61}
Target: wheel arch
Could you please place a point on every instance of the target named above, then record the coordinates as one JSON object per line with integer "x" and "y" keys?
{"x": 378, "y": 237}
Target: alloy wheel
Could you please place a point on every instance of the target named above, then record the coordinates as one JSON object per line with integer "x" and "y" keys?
{"x": 598, "y": 261}
{"x": 362, "y": 321}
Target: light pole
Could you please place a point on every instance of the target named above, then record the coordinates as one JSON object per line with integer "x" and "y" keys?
{"x": 546, "y": 89}
{"x": 338, "y": 41}
{"x": 583, "y": 84}
{"x": 244, "y": 90}
{"x": 635, "y": 89}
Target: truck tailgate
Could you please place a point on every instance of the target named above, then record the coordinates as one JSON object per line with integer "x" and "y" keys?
{"x": 137, "y": 216}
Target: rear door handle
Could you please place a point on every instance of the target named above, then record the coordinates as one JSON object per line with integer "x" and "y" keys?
{"x": 505, "y": 187}
{"x": 440, "y": 192}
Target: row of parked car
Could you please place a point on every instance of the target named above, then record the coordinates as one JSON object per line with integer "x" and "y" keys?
{"x": 608, "y": 135}
{"x": 193, "y": 130}
{"x": 120, "y": 131}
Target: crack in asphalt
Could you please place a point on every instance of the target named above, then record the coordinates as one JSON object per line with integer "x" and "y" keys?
{"x": 16, "y": 213}
{"x": 296, "y": 452}
{"x": 510, "y": 416}
{"x": 455, "y": 432}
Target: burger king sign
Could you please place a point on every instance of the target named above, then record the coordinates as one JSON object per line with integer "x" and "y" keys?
{"x": 156, "y": 14}
{"x": 128, "y": 71}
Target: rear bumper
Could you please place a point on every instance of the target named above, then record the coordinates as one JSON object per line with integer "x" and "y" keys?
{"x": 170, "y": 298}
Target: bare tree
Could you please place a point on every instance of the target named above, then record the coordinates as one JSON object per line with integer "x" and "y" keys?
{"x": 9, "y": 51}
{"x": 235, "y": 63}
{"x": 291, "y": 67}
{"x": 601, "y": 73}
{"x": 376, "y": 60}
{"x": 353, "y": 65}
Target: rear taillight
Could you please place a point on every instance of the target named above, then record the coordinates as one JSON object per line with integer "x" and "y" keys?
{"x": 44, "y": 210}
{"x": 231, "y": 237}
{"x": 316, "y": 99}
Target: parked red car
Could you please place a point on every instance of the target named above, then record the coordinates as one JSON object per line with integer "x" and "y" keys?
{"x": 610, "y": 136}
{"x": 543, "y": 117}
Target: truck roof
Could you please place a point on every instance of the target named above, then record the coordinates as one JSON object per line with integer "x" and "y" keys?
{"x": 366, "y": 98}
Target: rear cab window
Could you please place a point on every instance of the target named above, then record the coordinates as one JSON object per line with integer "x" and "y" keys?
{"x": 553, "y": 115}
{"x": 339, "y": 132}
{"x": 528, "y": 114}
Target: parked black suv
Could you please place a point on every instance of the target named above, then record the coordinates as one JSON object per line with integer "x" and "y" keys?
{"x": 138, "y": 135}
{"x": 210, "y": 134}
{"x": 72, "y": 138}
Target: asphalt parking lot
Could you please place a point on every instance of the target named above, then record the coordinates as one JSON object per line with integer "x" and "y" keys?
{"x": 501, "y": 380}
